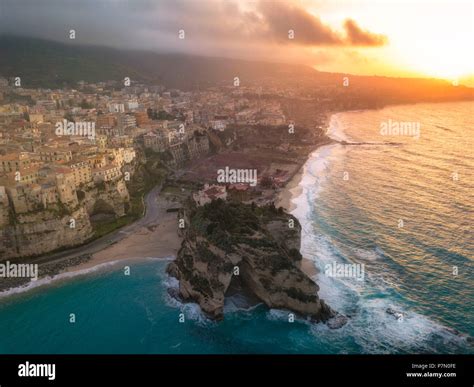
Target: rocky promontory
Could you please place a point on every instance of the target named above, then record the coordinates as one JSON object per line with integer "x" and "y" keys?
{"x": 256, "y": 246}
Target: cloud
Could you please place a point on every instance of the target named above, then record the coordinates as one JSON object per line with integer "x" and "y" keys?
{"x": 310, "y": 30}
{"x": 357, "y": 36}
{"x": 233, "y": 28}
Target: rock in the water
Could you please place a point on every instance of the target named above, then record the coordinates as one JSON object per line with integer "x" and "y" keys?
{"x": 257, "y": 244}
{"x": 338, "y": 321}
{"x": 398, "y": 315}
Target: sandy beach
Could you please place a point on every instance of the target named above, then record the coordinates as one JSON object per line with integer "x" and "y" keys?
{"x": 291, "y": 190}
{"x": 284, "y": 199}
{"x": 159, "y": 239}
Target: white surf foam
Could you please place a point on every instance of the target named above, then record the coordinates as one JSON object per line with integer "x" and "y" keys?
{"x": 336, "y": 128}
{"x": 370, "y": 325}
{"x": 191, "y": 310}
{"x": 48, "y": 280}
{"x": 68, "y": 275}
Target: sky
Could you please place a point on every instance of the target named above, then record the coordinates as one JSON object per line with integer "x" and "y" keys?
{"x": 427, "y": 38}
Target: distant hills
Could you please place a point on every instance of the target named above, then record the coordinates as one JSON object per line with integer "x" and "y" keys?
{"x": 42, "y": 63}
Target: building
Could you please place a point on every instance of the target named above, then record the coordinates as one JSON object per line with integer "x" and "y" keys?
{"x": 157, "y": 142}
{"x": 66, "y": 187}
{"x": 107, "y": 173}
{"x": 101, "y": 141}
{"x": 14, "y": 162}
{"x": 28, "y": 175}
{"x": 47, "y": 104}
{"x": 240, "y": 191}
{"x": 210, "y": 193}
{"x": 141, "y": 118}
{"x": 132, "y": 105}
{"x": 116, "y": 156}
{"x": 82, "y": 172}
{"x": 127, "y": 121}
{"x": 52, "y": 154}
{"x": 106, "y": 122}
{"x": 36, "y": 118}
{"x": 121, "y": 141}
{"x": 116, "y": 107}
{"x": 198, "y": 145}
{"x": 96, "y": 161}
{"x": 179, "y": 152}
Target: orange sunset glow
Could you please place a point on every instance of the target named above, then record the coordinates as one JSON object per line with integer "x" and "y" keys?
{"x": 183, "y": 180}
{"x": 427, "y": 39}
{"x": 416, "y": 38}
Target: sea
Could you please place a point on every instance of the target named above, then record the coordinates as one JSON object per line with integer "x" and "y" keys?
{"x": 399, "y": 206}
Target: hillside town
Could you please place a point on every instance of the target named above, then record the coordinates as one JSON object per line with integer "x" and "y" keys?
{"x": 68, "y": 157}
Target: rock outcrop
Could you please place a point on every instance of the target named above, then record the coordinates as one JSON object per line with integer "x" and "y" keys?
{"x": 44, "y": 231}
{"x": 260, "y": 245}
{"x": 115, "y": 194}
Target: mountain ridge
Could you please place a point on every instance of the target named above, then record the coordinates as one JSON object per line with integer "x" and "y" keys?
{"x": 50, "y": 64}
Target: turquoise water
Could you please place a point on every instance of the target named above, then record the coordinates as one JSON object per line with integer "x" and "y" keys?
{"x": 134, "y": 314}
{"x": 345, "y": 220}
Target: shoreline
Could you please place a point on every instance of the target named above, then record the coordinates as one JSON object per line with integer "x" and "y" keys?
{"x": 285, "y": 198}
{"x": 153, "y": 236}
{"x": 48, "y": 280}
{"x": 293, "y": 189}
{"x": 159, "y": 240}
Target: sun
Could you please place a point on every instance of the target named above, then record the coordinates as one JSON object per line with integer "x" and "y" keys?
{"x": 449, "y": 59}
{"x": 437, "y": 40}
{"x": 425, "y": 38}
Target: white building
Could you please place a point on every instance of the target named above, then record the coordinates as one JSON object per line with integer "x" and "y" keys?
{"x": 116, "y": 107}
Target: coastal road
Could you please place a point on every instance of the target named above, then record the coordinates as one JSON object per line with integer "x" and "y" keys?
{"x": 152, "y": 213}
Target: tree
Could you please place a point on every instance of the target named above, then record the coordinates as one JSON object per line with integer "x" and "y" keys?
{"x": 266, "y": 182}
{"x": 68, "y": 116}
{"x": 85, "y": 105}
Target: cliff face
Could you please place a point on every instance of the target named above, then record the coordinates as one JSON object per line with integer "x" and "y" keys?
{"x": 60, "y": 226}
{"x": 44, "y": 231}
{"x": 114, "y": 194}
{"x": 258, "y": 244}
{"x": 4, "y": 209}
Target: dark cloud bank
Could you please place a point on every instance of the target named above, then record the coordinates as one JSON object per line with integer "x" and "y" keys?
{"x": 212, "y": 27}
